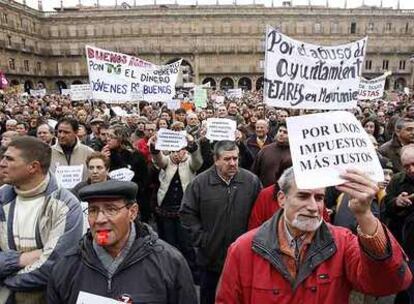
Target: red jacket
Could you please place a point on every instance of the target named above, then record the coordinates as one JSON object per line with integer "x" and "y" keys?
{"x": 141, "y": 145}
{"x": 266, "y": 206}
{"x": 263, "y": 209}
{"x": 334, "y": 265}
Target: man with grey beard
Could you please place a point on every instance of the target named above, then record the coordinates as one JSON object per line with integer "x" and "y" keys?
{"x": 295, "y": 257}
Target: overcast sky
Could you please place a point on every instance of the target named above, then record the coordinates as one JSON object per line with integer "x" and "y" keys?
{"x": 48, "y": 5}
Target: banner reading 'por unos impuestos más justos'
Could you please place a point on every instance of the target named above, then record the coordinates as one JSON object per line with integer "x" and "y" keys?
{"x": 117, "y": 77}
{"x": 307, "y": 76}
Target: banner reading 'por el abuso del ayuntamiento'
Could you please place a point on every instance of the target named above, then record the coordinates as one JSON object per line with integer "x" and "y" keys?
{"x": 117, "y": 77}
{"x": 307, "y": 76}
{"x": 324, "y": 145}
{"x": 373, "y": 88}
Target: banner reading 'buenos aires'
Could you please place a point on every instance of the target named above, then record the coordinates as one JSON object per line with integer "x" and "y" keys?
{"x": 117, "y": 77}
{"x": 307, "y": 76}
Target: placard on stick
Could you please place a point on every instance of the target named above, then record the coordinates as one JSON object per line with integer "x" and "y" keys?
{"x": 324, "y": 145}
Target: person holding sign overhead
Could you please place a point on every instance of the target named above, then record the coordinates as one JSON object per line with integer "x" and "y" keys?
{"x": 120, "y": 257}
{"x": 177, "y": 170}
{"x": 296, "y": 257}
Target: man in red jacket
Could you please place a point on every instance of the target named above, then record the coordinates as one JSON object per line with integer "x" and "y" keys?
{"x": 298, "y": 258}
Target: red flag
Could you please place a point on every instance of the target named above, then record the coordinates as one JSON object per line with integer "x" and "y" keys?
{"x": 3, "y": 81}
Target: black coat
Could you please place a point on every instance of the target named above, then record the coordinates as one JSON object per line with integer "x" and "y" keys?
{"x": 396, "y": 216}
{"x": 134, "y": 161}
{"x": 216, "y": 214}
{"x": 152, "y": 272}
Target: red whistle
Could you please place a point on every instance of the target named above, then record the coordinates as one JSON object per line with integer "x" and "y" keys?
{"x": 102, "y": 237}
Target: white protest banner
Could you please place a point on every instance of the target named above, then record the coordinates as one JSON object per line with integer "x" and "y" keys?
{"x": 307, "y": 76}
{"x": 69, "y": 176}
{"x": 371, "y": 89}
{"x": 219, "y": 99}
{"x": 123, "y": 174}
{"x": 323, "y": 145}
{"x": 168, "y": 140}
{"x": 173, "y": 104}
{"x": 65, "y": 92}
{"x": 235, "y": 93}
{"x": 89, "y": 298}
{"x": 221, "y": 129}
{"x": 38, "y": 93}
{"x": 80, "y": 92}
{"x": 52, "y": 123}
{"x": 200, "y": 97}
{"x": 117, "y": 77}
{"x": 119, "y": 111}
{"x": 407, "y": 91}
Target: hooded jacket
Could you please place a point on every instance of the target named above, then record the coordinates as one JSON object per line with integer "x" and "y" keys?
{"x": 152, "y": 272}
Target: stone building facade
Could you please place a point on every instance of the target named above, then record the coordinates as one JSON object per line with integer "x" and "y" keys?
{"x": 223, "y": 45}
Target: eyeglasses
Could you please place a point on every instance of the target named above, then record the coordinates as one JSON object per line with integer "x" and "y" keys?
{"x": 108, "y": 212}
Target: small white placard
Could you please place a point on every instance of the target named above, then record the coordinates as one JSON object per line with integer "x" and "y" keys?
{"x": 219, "y": 99}
{"x": 38, "y": 93}
{"x": 80, "y": 91}
{"x": 168, "y": 140}
{"x": 235, "y": 93}
{"x": 65, "y": 92}
{"x": 123, "y": 174}
{"x": 221, "y": 129}
{"x": 69, "y": 176}
{"x": 89, "y": 298}
{"x": 173, "y": 104}
{"x": 324, "y": 145}
{"x": 119, "y": 111}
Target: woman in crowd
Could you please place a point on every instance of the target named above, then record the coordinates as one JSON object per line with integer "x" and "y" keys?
{"x": 122, "y": 156}
{"x": 177, "y": 170}
{"x": 97, "y": 165}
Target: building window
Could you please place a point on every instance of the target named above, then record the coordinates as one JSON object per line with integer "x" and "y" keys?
{"x": 23, "y": 43}
{"x": 317, "y": 28}
{"x": 385, "y": 64}
{"x": 39, "y": 67}
{"x": 12, "y": 64}
{"x": 388, "y": 26}
{"x": 353, "y": 27}
{"x": 368, "y": 65}
{"x": 26, "y": 65}
{"x": 402, "y": 64}
{"x": 59, "y": 68}
{"x": 9, "y": 41}
{"x": 370, "y": 26}
{"x": 335, "y": 28}
{"x": 407, "y": 27}
{"x": 5, "y": 19}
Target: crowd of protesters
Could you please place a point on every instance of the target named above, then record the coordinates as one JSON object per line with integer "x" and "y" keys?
{"x": 200, "y": 199}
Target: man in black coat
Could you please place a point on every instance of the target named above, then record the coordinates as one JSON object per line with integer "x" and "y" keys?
{"x": 120, "y": 258}
{"x": 215, "y": 209}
